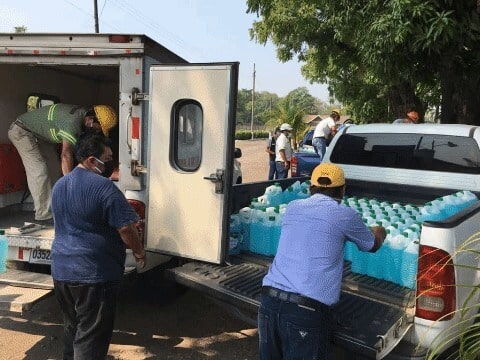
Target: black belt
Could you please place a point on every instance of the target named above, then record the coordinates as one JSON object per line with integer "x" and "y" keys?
{"x": 294, "y": 298}
{"x": 21, "y": 125}
{"x": 319, "y": 137}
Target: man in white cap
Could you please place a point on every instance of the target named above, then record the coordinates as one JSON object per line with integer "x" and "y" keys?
{"x": 304, "y": 280}
{"x": 283, "y": 151}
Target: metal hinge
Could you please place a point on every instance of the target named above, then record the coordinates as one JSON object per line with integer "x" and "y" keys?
{"x": 138, "y": 96}
{"x": 136, "y": 168}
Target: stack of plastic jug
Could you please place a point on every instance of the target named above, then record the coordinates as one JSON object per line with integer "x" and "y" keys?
{"x": 245, "y": 216}
{"x": 393, "y": 259}
{"x": 402, "y": 227}
{"x": 3, "y": 251}
{"x": 409, "y": 265}
{"x": 265, "y": 228}
{"x": 443, "y": 207}
{"x": 235, "y": 234}
{"x": 274, "y": 194}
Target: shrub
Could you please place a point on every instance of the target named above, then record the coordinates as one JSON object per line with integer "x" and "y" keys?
{"x": 247, "y": 135}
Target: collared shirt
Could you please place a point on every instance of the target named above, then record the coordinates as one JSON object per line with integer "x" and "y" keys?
{"x": 283, "y": 143}
{"x": 324, "y": 128}
{"x": 309, "y": 259}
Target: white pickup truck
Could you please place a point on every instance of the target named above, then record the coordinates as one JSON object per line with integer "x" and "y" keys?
{"x": 378, "y": 318}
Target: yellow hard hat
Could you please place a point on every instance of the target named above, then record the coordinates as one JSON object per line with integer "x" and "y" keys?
{"x": 106, "y": 117}
{"x": 339, "y": 113}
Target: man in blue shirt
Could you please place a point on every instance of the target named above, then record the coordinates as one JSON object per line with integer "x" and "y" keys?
{"x": 304, "y": 280}
{"x": 93, "y": 224}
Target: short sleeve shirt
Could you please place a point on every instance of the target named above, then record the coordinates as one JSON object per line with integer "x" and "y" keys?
{"x": 88, "y": 209}
{"x": 55, "y": 123}
{"x": 283, "y": 143}
{"x": 309, "y": 259}
{"x": 324, "y": 128}
{"x": 271, "y": 146}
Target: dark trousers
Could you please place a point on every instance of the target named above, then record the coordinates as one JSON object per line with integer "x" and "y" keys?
{"x": 88, "y": 315}
{"x": 272, "y": 170}
{"x": 288, "y": 331}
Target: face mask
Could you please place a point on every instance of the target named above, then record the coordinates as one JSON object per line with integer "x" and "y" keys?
{"x": 109, "y": 168}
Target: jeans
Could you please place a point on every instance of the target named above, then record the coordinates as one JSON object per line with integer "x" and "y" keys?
{"x": 282, "y": 173}
{"x": 320, "y": 146}
{"x": 289, "y": 331}
{"x": 272, "y": 170}
{"x": 88, "y": 315}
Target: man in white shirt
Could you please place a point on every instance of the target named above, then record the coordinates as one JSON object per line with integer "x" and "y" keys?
{"x": 325, "y": 130}
{"x": 283, "y": 151}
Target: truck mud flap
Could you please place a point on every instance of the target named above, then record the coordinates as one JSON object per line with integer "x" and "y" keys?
{"x": 20, "y": 290}
{"x": 363, "y": 326}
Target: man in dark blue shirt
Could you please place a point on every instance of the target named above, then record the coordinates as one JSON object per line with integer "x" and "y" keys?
{"x": 93, "y": 224}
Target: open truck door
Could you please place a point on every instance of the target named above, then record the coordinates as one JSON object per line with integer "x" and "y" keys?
{"x": 191, "y": 146}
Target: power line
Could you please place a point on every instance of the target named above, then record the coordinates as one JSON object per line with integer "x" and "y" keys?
{"x": 162, "y": 32}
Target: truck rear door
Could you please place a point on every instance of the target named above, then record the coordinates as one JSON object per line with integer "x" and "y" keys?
{"x": 191, "y": 144}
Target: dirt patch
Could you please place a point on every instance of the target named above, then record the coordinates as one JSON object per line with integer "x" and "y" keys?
{"x": 254, "y": 159}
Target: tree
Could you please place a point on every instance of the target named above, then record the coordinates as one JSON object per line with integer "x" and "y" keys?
{"x": 291, "y": 110}
{"x": 20, "y": 29}
{"x": 381, "y": 57}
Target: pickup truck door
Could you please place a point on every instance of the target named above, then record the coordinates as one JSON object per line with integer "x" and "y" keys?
{"x": 191, "y": 144}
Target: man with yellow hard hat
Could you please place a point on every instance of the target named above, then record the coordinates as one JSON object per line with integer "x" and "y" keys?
{"x": 36, "y": 133}
{"x": 304, "y": 281}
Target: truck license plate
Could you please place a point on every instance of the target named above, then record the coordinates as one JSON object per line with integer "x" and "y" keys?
{"x": 38, "y": 256}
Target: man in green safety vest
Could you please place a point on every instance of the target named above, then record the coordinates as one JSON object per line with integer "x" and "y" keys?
{"x": 36, "y": 135}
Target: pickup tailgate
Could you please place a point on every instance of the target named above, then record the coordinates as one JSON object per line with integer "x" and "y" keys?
{"x": 364, "y": 325}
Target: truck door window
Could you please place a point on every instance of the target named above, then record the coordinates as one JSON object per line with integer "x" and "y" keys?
{"x": 186, "y": 153}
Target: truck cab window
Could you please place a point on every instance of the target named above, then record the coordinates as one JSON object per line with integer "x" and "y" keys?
{"x": 446, "y": 153}
{"x": 187, "y": 135}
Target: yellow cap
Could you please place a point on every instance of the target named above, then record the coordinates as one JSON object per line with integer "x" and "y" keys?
{"x": 106, "y": 117}
{"x": 327, "y": 175}
{"x": 337, "y": 111}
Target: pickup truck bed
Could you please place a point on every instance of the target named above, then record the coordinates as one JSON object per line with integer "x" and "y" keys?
{"x": 387, "y": 308}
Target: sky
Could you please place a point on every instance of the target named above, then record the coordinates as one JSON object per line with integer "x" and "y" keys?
{"x": 196, "y": 30}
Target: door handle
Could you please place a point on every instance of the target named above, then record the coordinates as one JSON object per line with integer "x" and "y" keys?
{"x": 217, "y": 178}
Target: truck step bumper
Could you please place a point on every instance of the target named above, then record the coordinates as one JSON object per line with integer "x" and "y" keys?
{"x": 240, "y": 285}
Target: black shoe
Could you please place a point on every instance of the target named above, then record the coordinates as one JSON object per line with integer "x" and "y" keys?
{"x": 46, "y": 223}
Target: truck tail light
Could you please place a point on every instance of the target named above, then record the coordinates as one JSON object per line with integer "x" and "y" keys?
{"x": 139, "y": 208}
{"x": 436, "y": 299}
{"x": 293, "y": 166}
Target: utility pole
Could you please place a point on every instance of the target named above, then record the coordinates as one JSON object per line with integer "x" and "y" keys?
{"x": 253, "y": 100}
{"x": 95, "y": 9}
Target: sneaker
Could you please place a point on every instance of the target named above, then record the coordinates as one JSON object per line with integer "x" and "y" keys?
{"x": 45, "y": 223}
